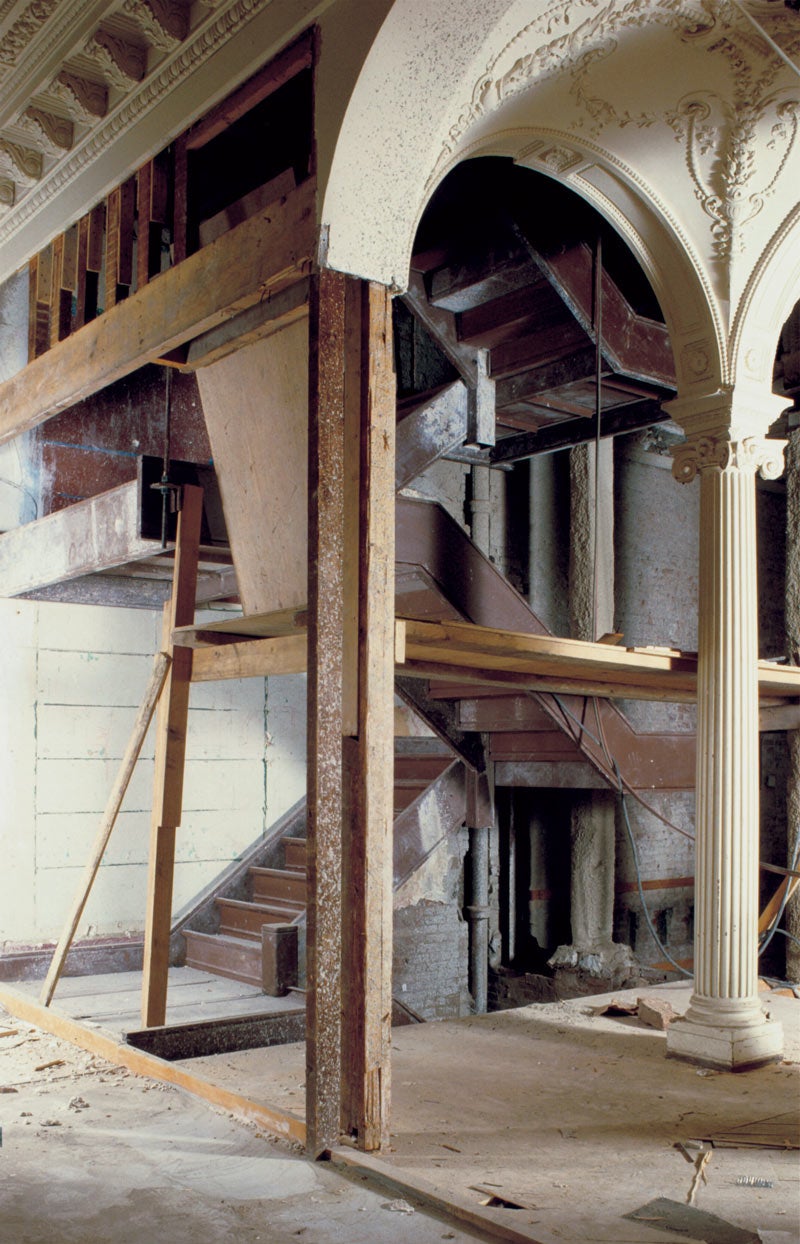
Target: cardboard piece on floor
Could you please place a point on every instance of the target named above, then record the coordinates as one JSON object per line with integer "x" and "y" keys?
{"x": 693, "y": 1224}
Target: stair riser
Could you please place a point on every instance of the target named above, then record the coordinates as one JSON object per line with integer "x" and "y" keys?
{"x": 245, "y": 922}
{"x": 237, "y": 963}
{"x": 282, "y": 887}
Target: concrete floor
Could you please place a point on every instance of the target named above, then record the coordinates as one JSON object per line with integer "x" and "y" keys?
{"x": 571, "y": 1115}
{"x": 94, "y": 1155}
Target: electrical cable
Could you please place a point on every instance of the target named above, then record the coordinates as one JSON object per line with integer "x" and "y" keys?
{"x": 626, "y": 790}
{"x": 784, "y": 933}
{"x": 598, "y": 413}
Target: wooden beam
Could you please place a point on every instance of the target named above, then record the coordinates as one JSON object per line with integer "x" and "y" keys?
{"x": 170, "y": 754}
{"x": 324, "y": 765}
{"x": 251, "y": 262}
{"x": 279, "y": 1122}
{"x": 253, "y": 658}
{"x": 127, "y": 765}
{"x": 366, "y": 1038}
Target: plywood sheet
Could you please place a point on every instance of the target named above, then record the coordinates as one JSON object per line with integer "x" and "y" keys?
{"x": 256, "y": 408}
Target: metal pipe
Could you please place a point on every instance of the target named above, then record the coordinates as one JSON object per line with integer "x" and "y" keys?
{"x": 478, "y": 917}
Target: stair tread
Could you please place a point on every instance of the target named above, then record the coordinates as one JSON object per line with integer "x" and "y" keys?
{"x": 261, "y": 905}
{"x": 240, "y": 943}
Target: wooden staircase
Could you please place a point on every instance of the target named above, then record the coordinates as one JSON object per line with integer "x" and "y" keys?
{"x": 278, "y": 899}
{"x": 258, "y": 938}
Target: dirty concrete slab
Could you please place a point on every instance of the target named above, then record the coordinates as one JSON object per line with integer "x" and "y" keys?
{"x": 573, "y": 1114}
{"x": 92, "y": 1154}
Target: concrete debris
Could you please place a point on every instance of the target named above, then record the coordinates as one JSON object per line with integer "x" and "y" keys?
{"x": 6, "y": 1088}
{"x": 655, "y": 1013}
{"x": 78, "y": 1103}
{"x": 399, "y": 1207}
{"x": 614, "y": 1008}
{"x": 50, "y": 1123}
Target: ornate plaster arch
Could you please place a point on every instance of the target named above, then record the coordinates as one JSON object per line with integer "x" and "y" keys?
{"x": 498, "y": 76}
{"x": 771, "y": 293}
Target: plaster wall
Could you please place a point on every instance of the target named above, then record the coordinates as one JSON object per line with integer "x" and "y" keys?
{"x": 71, "y": 680}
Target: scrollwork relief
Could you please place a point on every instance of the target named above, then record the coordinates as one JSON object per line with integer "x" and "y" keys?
{"x": 719, "y": 136}
{"x": 752, "y": 453}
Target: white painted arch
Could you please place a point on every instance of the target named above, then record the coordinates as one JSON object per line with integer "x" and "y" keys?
{"x": 586, "y": 94}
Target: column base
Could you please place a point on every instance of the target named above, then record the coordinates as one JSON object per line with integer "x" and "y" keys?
{"x": 748, "y": 1039}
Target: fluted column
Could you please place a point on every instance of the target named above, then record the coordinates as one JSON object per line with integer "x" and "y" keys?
{"x": 725, "y": 1025}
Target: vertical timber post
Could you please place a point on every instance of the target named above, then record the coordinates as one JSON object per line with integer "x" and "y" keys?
{"x": 369, "y": 825}
{"x": 325, "y": 620}
{"x": 173, "y": 709}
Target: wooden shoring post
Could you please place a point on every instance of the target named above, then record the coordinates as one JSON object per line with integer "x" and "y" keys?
{"x": 368, "y": 827}
{"x": 171, "y": 724}
{"x": 324, "y": 766}
{"x": 127, "y": 765}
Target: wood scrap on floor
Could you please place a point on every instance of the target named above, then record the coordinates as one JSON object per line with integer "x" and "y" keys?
{"x": 779, "y": 1131}
{"x": 700, "y": 1163}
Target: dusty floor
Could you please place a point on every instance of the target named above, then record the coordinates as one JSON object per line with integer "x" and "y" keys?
{"x": 574, "y": 1116}
{"x": 94, "y": 1155}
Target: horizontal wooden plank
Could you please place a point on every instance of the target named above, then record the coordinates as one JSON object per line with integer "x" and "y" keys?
{"x": 252, "y": 658}
{"x": 545, "y": 662}
{"x": 253, "y": 626}
{"x": 251, "y": 262}
{"x": 278, "y": 1122}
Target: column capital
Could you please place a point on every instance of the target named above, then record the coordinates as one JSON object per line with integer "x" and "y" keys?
{"x": 703, "y": 451}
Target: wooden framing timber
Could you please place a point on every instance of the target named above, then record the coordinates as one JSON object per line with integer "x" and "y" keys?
{"x": 171, "y": 725}
{"x": 278, "y": 1122}
{"x": 260, "y": 658}
{"x": 470, "y": 656}
{"x": 251, "y": 262}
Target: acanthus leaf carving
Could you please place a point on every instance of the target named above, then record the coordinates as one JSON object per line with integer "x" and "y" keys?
{"x": 718, "y": 135}
{"x": 24, "y": 162}
{"x": 25, "y": 28}
{"x": 123, "y": 62}
{"x": 87, "y": 99}
{"x": 57, "y": 133}
{"x": 8, "y": 193}
{"x": 165, "y": 22}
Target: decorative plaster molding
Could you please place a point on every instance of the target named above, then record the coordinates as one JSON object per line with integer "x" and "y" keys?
{"x": 8, "y": 192}
{"x": 205, "y": 41}
{"x": 165, "y": 22}
{"x": 123, "y": 62}
{"x": 25, "y": 163}
{"x": 718, "y": 135}
{"x": 56, "y": 133}
{"x": 25, "y": 28}
{"x": 86, "y": 100}
{"x": 753, "y": 453}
